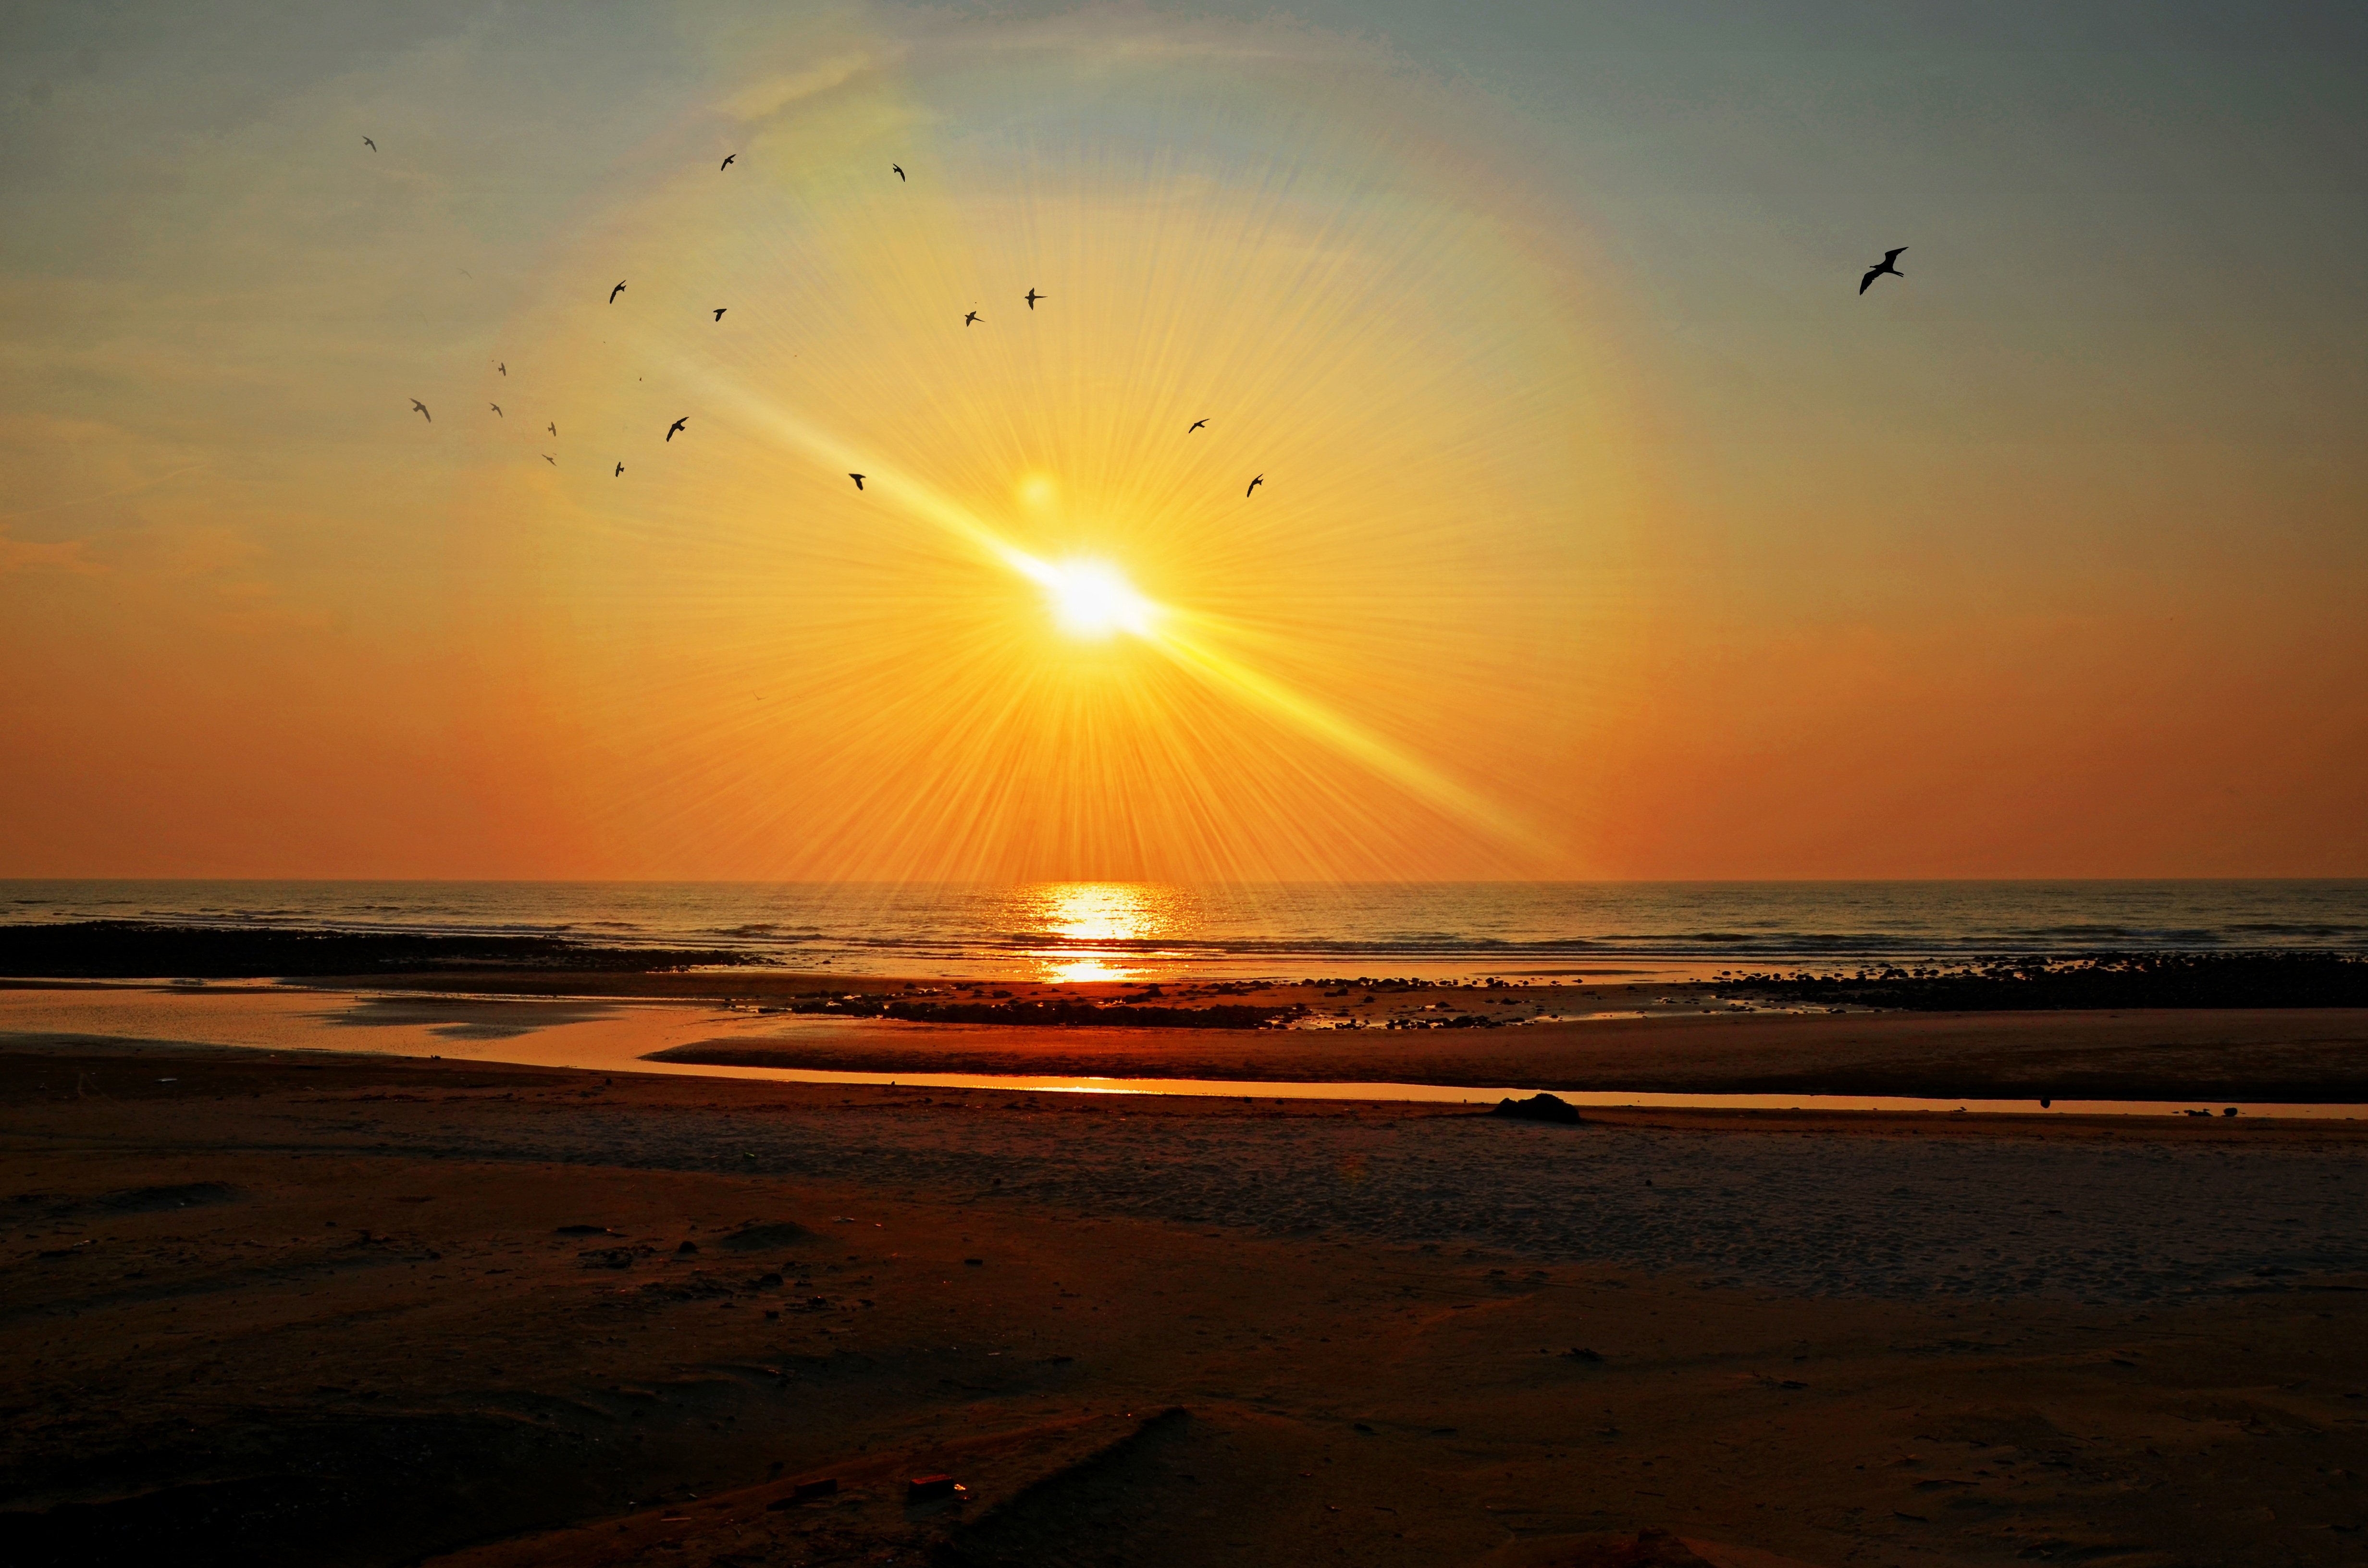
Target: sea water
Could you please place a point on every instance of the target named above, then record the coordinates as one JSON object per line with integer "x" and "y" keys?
{"x": 1159, "y": 931}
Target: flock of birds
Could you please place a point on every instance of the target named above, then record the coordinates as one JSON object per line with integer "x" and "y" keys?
{"x": 1889, "y": 263}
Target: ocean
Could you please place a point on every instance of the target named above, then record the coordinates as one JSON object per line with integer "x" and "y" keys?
{"x": 1153, "y": 931}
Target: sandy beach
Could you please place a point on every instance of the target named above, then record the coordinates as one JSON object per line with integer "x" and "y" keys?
{"x": 376, "y": 1309}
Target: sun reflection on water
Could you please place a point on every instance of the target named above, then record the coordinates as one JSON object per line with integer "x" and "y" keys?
{"x": 1097, "y": 927}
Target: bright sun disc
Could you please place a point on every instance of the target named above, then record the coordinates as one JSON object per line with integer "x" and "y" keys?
{"x": 1091, "y": 600}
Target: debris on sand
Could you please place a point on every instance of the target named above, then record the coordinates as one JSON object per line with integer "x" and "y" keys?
{"x": 1538, "y": 1107}
{"x": 923, "y": 1487}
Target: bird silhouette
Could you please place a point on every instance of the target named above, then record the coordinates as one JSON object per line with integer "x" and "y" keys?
{"x": 423, "y": 410}
{"x": 504, "y": 367}
{"x": 1033, "y": 296}
{"x": 726, "y": 163}
{"x": 720, "y": 309}
{"x": 677, "y": 425}
{"x": 899, "y": 168}
{"x": 970, "y": 318}
{"x": 1194, "y": 425}
{"x": 552, "y": 460}
{"x": 554, "y": 426}
{"x": 618, "y": 290}
{"x": 619, "y": 473}
{"x": 369, "y": 143}
{"x": 858, "y": 480}
{"x": 497, "y": 410}
{"x": 1254, "y": 484}
{"x": 1885, "y": 265}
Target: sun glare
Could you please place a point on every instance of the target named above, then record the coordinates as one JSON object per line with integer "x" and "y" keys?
{"x": 1091, "y": 600}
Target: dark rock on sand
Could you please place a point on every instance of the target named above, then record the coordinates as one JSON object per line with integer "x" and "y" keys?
{"x": 1538, "y": 1107}
{"x": 768, "y": 1236}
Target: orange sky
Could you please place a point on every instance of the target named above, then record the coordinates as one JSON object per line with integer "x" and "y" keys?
{"x": 1606, "y": 530}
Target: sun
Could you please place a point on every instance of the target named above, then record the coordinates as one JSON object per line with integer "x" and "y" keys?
{"x": 1091, "y": 600}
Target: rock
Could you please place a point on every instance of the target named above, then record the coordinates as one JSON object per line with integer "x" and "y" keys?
{"x": 1538, "y": 1107}
{"x": 767, "y": 1236}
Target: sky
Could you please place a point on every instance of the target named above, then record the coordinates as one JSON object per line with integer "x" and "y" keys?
{"x": 1605, "y": 528}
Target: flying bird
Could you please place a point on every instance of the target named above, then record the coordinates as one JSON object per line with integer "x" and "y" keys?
{"x": 970, "y": 318}
{"x": 1253, "y": 484}
{"x": 619, "y": 473}
{"x": 1033, "y": 296}
{"x": 720, "y": 309}
{"x": 504, "y": 367}
{"x": 858, "y": 480}
{"x": 552, "y": 460}
{"x": 1194, "y": 425}
{"x": 899, "y": 168}
{"x": 727, "y": 162}
{"x": 369, "y": 143}
{"x": 677, "y": 425}
{"x": 497, "y": 410}
{"x": 554, "y": 426}
{"x": 1889, "y": 257}
{"x": 423, "y": 410}
{"x": 614, "y": 292}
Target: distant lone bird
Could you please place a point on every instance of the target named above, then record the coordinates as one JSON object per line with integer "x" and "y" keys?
{"x": 504, "y": 367}
{"x": 1876, "y": 271}
{"x": 727, "y": 162}
{"x": 970, "y": 318}
{"x": 858, "y": 480}
{"x": 1033, "y": 296}
{"x": 497, "y": 410}
{"x": 616, "y": 291}
{"x": 720, "y": 309}
{"x": 552, "y": 460}
{"x": 619, "y": 473}
{"x": 369, "y": 143}
{"x": 1194, "y": 425}
{"x": 423, "y": 410}
{"x": 899, "y": 168}
{"x": 554, "y": 426}
{"x": 1253, "y": 484}
{"x": 677, "y": 425}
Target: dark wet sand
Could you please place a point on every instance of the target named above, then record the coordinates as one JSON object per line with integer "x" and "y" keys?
{"x": 323, "y": 1312}
{"x": 2287, "y": 1056}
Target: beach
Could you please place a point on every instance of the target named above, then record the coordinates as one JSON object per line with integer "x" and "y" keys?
{"x": 326, "y": 1307}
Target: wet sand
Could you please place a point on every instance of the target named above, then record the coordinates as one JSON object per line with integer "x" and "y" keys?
{"x": 2300, "y": 1056}
{"x": 338, "y": 1309}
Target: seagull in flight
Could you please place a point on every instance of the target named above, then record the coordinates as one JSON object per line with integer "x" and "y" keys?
{"x": 677, "y": 425}
{"x": 1253, "y": 484}
{"x": 720, "y": 309}
{"x": 369, "y": 143}
{"x": 552, "y": 460}
{"x": 858, "y": 480}
{"x": 899, "y": 168}
{"x": 497, "y": 410}
{"x": 618, "y": 290}
{"x": 1033, "y": 296}
{"x": 1194, "y": 425}
{"x": 726, "y": 163}
{"x": 619, "y": 473}
{"x": 504, "y": 367}
{"x": 554, "y": 426}
{"x": 1888, "y": 264}
{"x": 423, "y": 410}
{"x": 970, "y": 318}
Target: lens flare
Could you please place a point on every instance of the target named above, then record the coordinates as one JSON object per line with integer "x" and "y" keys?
{"x": 1092, "y": 601}
{"x": 1383, "y": 662}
